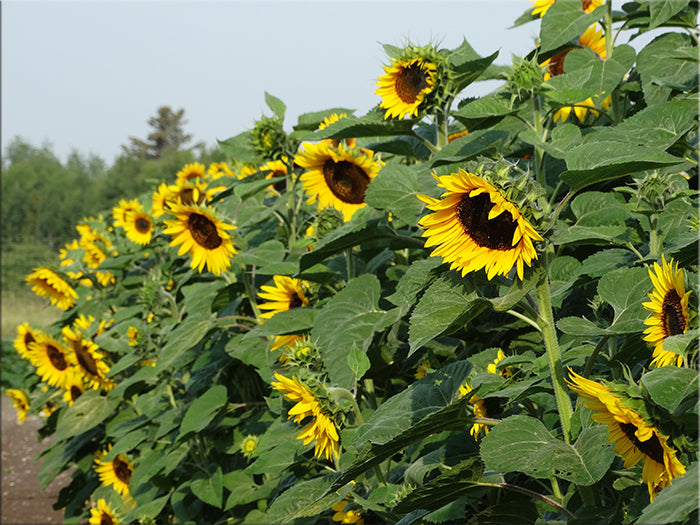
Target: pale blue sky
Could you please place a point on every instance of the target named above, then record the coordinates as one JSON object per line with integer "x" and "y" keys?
{"x": 87, "y": 75}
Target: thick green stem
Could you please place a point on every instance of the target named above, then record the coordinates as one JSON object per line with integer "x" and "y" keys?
{"x": 551, "y": 343}
{"x": 654, "y": 238}
{"x": 609, "y": 39}
{"x": 539, "y": 129}
{"x": 249, "y": 291}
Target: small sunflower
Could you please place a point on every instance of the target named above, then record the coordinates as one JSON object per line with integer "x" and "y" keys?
{"x": 138, "y": 226}
{"x": 334, "y": 117}
{"x": 405, "y": 85}
{"x": 669, "y": 311}
{"x": 479, "y": 408}
{"x": 103, "y": 514}
{"x": 423, "y": 369}
{"x": 159, "y": 200}
{"x": 116, "y": 472}
{"x": 119, "y": 212}
{"x": 202, "y": 234}
{"x": 86, "y": 356}
{"x": 248, "y": 445}
{"x": 219, "y": 169}
{"x": 191, "y": 172}
{"x": 475, "y": 227}
{"x": 286, "y": 294}
{"x": 51, "y": 360}
{"x": 506, "y": 372}
{"x": 74, "y": 388}
{"x": 132, "y": 333}
{"x": 337, "y": 177}
{"x": 344, "y": 513}
{"x": 20, "y": 401}
{"x": 634, "y": 438}
{"x": 540, "y": 7}
{"x": 25, "y": 335}
{"x": 321, "y": 429}
{"x": 47, "y": 283}
{"x": 278, "y": 171}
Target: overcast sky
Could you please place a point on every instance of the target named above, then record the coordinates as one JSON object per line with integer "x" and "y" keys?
{"x": 87, "y": 75}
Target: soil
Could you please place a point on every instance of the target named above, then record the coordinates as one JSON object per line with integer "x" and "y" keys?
{"x": 23, "y": 502}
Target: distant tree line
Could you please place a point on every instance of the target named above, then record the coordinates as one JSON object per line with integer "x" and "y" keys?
{"x": 43, "y": 198}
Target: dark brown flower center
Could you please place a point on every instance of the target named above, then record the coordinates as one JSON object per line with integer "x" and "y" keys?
{"x": 295, "y": 301}
{"x": 410, "y": 82}
{"x": 142, "y": 225}
{"x": 84, "y": 358}
{"x": 28, "y": 338}
{"x": 672, "y": 314}
{"x": 651, "y": 447}
{"x": 122, "y": 470}
{"x": 187, "y": 196}
{"x": 58, "y": 360}
{"x": 586, "y": 4}
{"x": 106, "y": 519}
{"x": 75, "y": 392}
{"x": 556, "y": 64}
{"x": 203, "y": 231}
{"x": 494, "y": 234}
{"x": 346, "y": 180}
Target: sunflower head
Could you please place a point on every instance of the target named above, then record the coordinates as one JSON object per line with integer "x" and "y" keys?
{"x": 249, "y": 444}
{"x": 103, "y": 514}
{"x": 47, "y": 283}
{"x": 286, "y": 294}
{"x": 20, "y": 401}
{"x": 327, "y": 121}
{"x": 481, "y": 221}
{"x": 525, "y": 77}
{"x": 268, "y": 138}
{"x": 138, "y": 226}
{"x": 116, "y": 472}
{"x": 413, "y": 82}
{"x": 191, "y": 172}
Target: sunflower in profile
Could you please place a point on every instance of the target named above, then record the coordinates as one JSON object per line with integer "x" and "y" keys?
{"x": 191, "y": 172}
{"x": 321, "y": 429}
{"x": 669, "y": 311}
{"x": 199, "y": 232}
{"x": 51, "y": 360}
{"x": 138, "y": 226}
{"x": 286, "y": 294}
{"x": 405, "y": 85}
{"x": 277, "y": 173}
{"x": 475, "y": 227}
{"x": 593, "y": 39}
{"x": 332, "y": 118}
{"x": 159, "y": 200}
{"x": 20, "y": 401}
{"x": 634, "y": 438}
{"x": 119, "y": 212}
{"x": 47, "y": 283}
{"x": 540, "y": 7}
{"x": 116, "y": 472}
{"x": 88, "y": 359}
{"x": 337, "y": 177}
{"x": 25, "y": 335}
{"x": 103, "y": 514}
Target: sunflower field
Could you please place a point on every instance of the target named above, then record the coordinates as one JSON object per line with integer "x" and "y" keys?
{"x": 450, "y": 309}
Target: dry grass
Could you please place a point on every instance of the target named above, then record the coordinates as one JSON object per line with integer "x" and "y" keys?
{"x": 20, "y": 307}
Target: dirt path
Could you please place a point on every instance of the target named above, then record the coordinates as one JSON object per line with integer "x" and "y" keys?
{"x": 23, "y": 503}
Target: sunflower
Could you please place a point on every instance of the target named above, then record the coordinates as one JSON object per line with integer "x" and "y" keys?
{"x": 88, "y": 359}
{"x": 132, "y": 334}
{"x": 669, "y": 311}
{"x": 479, "y": 409}
{"x": 74, "y": 388}
{"x": 593, "y": 39}
{"x": 506, "y": 372}
{"x": 540, "y": 7}
{"x": 25, "y": 336}
{"x": 405, "y": 85}
{"x": 138, "y": 226}
{"x": 334, "y": 117}
{"x": 46, "y": 283}
{"x": 119, "y": 212}
{"x": 346, "y": 516}
{"x": 246, "y": 171}
{"x": 20, "y": 401}
{"x": 634, "y": 438}
{"x": 190, "y": 172}
{"x": 337, "y": 177}
{"x": 51, "y": 360}
{"x": 423, "y": 369}
{"x": 201, "y": 233}
{"x": 103, "y": 514}
{"x": 248, "y": 445}
{"x": 277, "y": 170}
{"x": 286, "y": 294}
{"x": 159, "y": 198}
{"x": 116, "y": 472}
{"x": 219, "y": 169}
{"x": 321, "y": 429}
{"x": 476, "y": 227}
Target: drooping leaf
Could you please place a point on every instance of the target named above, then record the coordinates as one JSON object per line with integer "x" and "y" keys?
{"x": 370, "y": 125}
{"x": 88, "y": 411}
{"x": 394, "y": 189}
{"x": 209, "y": 488}
{"x": 358, "y": 362}
{"x": 676, "y": 503}
{"x": 203, "y": 410}
{"x": 469, "y": 146}
{"x": 292, "y": 321}
{"x": 276, "y": 105}
{"x": 566, "y": 21}
{"x": 416, "y": 278}
{"x": 240, "y": 147}
{"x": 304, "y": 499}
{"x": 669, "y": 386}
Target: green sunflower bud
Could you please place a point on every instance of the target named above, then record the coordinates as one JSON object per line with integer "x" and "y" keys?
{"x": 327, "y": 220}
{"x": 525, "y": 77}
{"x": 269, "y": 139}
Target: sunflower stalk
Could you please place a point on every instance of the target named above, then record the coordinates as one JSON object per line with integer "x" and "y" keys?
{"x": 546, "y": 321}
{"x": 542, "y": 133}
{"x": 249, "y": 291}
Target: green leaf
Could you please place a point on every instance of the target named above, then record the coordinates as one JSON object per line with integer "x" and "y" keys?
{"x": 146, "y": 512}
{"x": 203, "y": 410}
{"x": 269, "y": 252}
{"x": 604, "y": 261}
{"x": 276, "y": 105}
{"x": 394, "y": 189}
{"x": 469, "y": 146}
{"x": 358, "y": 362}
{"x": 347, "y": 320}
{"x": 294, "y": 321}
{"x": 523, "y": 444}
{"x": 679, "y": 344}
{"x": 303, "y": 499}
{"x": 370, "y": 125}
{"x": 181, "y": 340}
{"x": 311, "y": 121}
{"x": 676, "y": 503}
{"x": 625, "y": 290}
{"x": 566, "y": 21}
{"x": 448, "y": 303}
{"x": 516, "y": 290}
{"x": 595, "y": 208}
{"x": 252, "y": 352}
{"x": 88, "y": 411}
{"x": 669, "y": 386}
{"x": 663, "y": 10}
{"x": 494, "y": 105}
{"x": 599, "y": 161}
{"x": 240, "y": 148}
{"x": 413, "y": 282}
{"x": 210, "y": 488}
{"x": 564, "y": 138}
{"x": 245, "y": 189}
{"x": 467, "y": 65}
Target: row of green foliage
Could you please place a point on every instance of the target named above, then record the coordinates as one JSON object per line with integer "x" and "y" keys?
{"x": 617, "y": 201}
